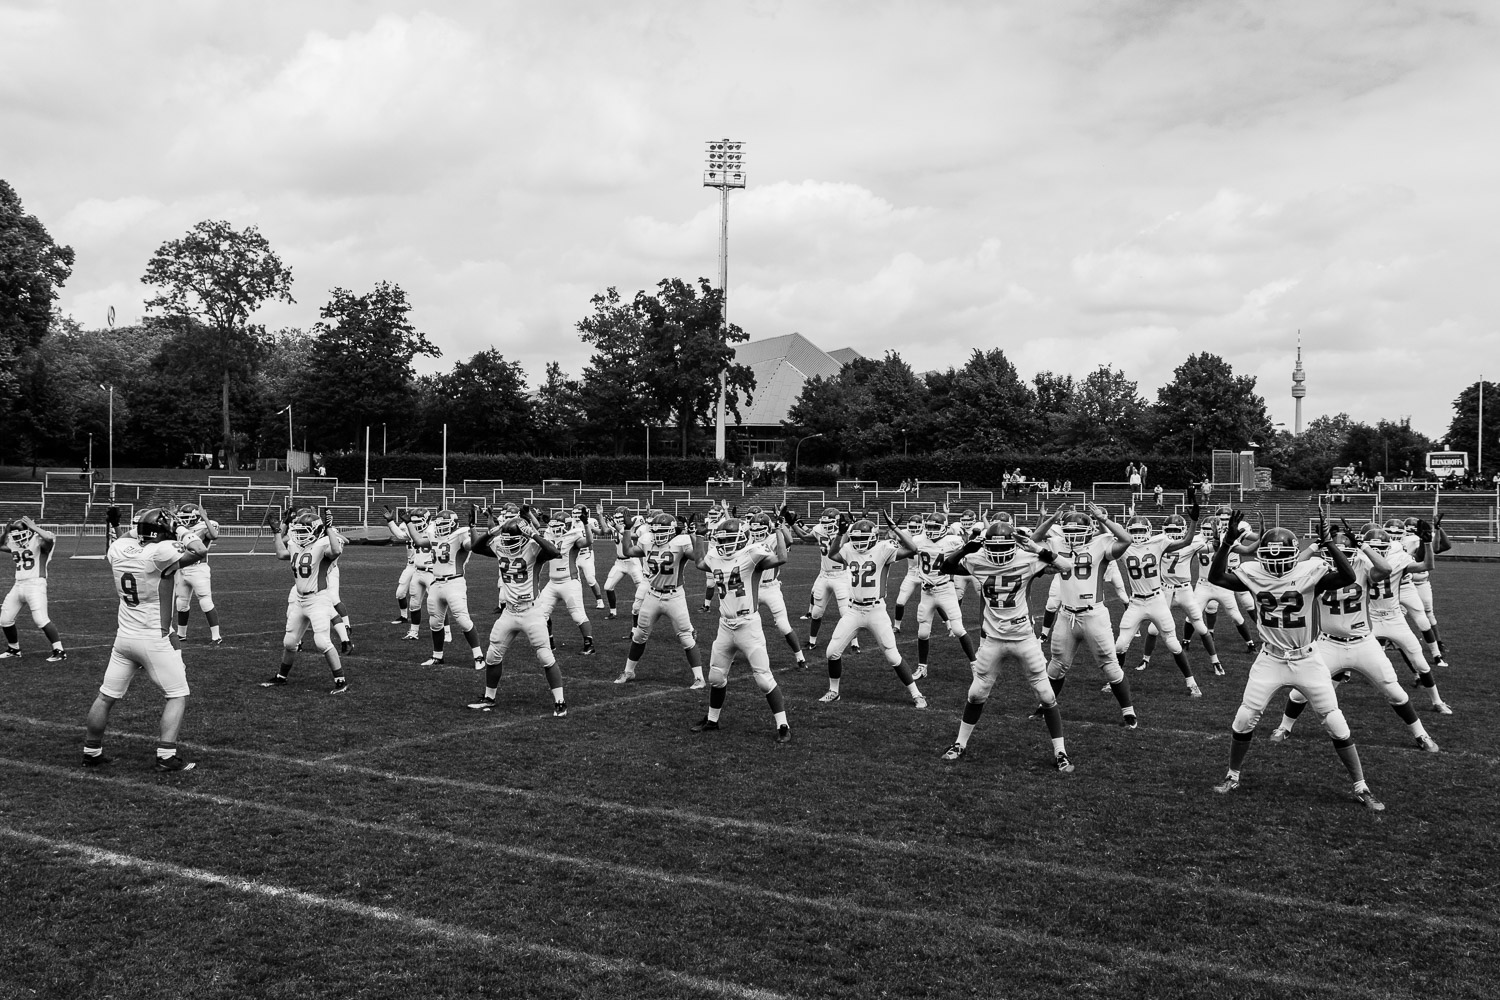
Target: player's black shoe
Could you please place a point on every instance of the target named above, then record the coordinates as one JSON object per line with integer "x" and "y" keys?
{"x": 783, "y": 734}
{"x": 276, "y": 681}
{"x": 59, "y": 655}
{"x": 97, "y": 760}
{"x": 174, "y": 763}
{"x": 346, "y": 647}
{"x": 704, "y": 725}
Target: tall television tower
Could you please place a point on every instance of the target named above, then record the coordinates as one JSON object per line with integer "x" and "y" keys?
{"x": 1298, "y": 389}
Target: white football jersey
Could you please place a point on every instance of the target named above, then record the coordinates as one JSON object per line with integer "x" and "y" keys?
{"x": 1285, "y": 603}
{"x": 143, "y": 582}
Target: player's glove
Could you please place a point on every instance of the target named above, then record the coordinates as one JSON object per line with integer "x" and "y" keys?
{"x": 1344, "y": 523}
{"x": 112, "y": 516}
{"x": 390, "y": 515}
{"x": 1424, "y": 530}
{"x": 1046, "y": 555}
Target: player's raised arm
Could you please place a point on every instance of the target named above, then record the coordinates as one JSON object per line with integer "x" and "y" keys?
{"x": 279, "y": 527}
{"x": 193, "y": 548}
{"x": 1045, "y": 526}
{"x": 1343, "y": 574}
{"x": 1218, "y": 573}
{"x": 953, "y": 562}
{"x": 908, "y": 544}
{"x": 46, "y": 537}
{"x": 1424, "y": 554}
{"x": 1379, "y": 568}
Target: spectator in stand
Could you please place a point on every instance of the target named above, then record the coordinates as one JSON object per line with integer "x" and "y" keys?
{"x": 1133, "y": 476}
{"x": 1157, "y": 491}
{"x": 1141, "y": 468}
{"x": 1067, "y": 486}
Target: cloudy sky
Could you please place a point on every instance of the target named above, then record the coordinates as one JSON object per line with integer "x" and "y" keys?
{"x": 1076, "y": 182}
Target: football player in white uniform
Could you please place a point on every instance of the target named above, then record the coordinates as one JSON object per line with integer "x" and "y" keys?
{"x": 1005, "y": 564}
{"x": 448, "y": 596}
{"x": 866, "y": 557}
{"x": 718, "y": 512}
{"x": 774, "y": 536}
{"x": 311, "y": 547}
{"x": 622, "y": 527}
{"x": 1211, "y": 598}
{"x": 1285, "y": 588}
{"x": 1080, "y": 596}
{"x": 1385, "y": 605}
{"x": 833, "y": 575}
{"x": 410, "y": 527}
{"x": 734, "y": 567}
{"x": 1141, "y": 564}
{"x": 1413, "y": 602}
{"x": 1177, "y": 578}
{"x": 520, "y": 549}
{"x": 142, "y": 562}
{"x": 31, "y": 549}
{"x": 939, "y": 595}
{"x": 1346, "y": 643}
{"x": 569, "y": 538}
{"x": 915, "y": 526}
{"x": 195, "y": 579}
{"x": 966, "y": 527}
{"x": 667, "y": 548}
{"x": 586, "y": 569}
{"x": 1418, "y": 593}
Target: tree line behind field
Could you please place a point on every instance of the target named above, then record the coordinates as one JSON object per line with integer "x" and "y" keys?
{"x": 198, "y": 375}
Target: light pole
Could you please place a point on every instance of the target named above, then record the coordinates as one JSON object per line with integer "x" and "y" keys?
{"x": 725, "y": 170}
{"x": 903, "y": 442}
{"x": 648, "y": 451}
{"x": 111, "y": 390}
{"x": 797, "y": 451}
{"x": 290, "y": 446}
{"x": 91, "y": 453}
{"x": 382, "y": 438}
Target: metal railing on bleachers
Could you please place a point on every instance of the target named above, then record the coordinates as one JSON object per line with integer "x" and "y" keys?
{"x": 67, "y": 482}
{"x": 561, "y": 487}
{"x": 408, "y": 487}
{"x": 843, "y": 486}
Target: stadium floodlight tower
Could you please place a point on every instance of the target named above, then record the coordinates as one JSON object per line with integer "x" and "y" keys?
{"x": 725, "y": 171}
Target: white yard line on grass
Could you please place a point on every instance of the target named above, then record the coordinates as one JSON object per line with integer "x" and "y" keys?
{"x": 407, "y": 922}
{"x": 842, "y": 839}
{"x": 498, "y": 724}
{"x": 1105, "y": 954}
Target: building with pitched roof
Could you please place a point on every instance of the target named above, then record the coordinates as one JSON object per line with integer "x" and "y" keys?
{"x": 781, "y": 366}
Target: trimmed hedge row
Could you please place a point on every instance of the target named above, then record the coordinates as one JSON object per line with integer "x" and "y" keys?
{"x": 522, "y": 469}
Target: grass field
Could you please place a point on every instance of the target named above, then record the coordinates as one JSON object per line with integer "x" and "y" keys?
{"x": 391, "y": 843}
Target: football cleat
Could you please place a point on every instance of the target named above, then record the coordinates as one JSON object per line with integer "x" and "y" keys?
{"x": 1427, "y": 743}
{"x": 854, "y": 647}
{"x": 955, "y": 752}
{"x": 1129, "y": 721}
{"x": 1105, "y": 689}
{"x": 812, "y": 642}
{"x": 346, "y": 647}
{"x": 612, "y": 613}
{"x": 783, "y": 734}
{"x": 1195, "y": 692}
{"x": 1218, "y": 669}
{"x": 216, "y": 643}
{"x": 174, "y": 763}
{"x": 1064, "y": 765}
{"x": 588, "y": 648}
{"x": 411, "y": 636}
{"x": 559, "y": 709}
{"x": 1227, "y": 785}
{"x": 398, "y": 621}
{"x": 1145, "y": 662}
{"x": 829, "y": 697}
{"x": 625, "y": 677}
{"x": 805, "y": 618}
{"x": 917, "y": 701}
{"x": 276, "y": 681}
{"x": 896, "y": 627}
{"x": 1280, "y": 735}
{"x": 433, "y": 661}
{"x": 1038, "y": 714}
{"x": 599, "y": 606}
{"x": 1368, "y": 798}
{"x": 1438, "y": 661}
{"x": 57, "y": 656}
{"x": 479, "y": 663}
{"x": 11, "y": 653}
{"x": 698, "y": 684}
{"x": 704, "y": 725}
{"x": 97, "y": 760}
{"x": 1441, "y": 708}
{"x": 920, "y": 672}
{"x": 482, "y": 705}
{"x": 340, "y": 686}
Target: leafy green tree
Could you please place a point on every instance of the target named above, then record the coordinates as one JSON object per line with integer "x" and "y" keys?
{"x": 1390, "y": 448}
{"x": 1463, "y": 432}
{"x": 983, "y": 405}
{"x": 361, "y": 372}
{"x": 819, "y": 410}
{"x": 1054, "y": 397}
{"x": 485, "y": 404}
{"x": 559, "y": 413}
{"x": 286, "y": 364}
{"x": 872, "y": 407}
{"x": 1208, "y": 406}
{"x": 219, "y": 276}
{"x": 1306, "y": 461}
{"x": 661, "y": 355}
{"x": 1106, "y": 414}
{"x": 688, "y": 352}
{"x": 32, "y": 268}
